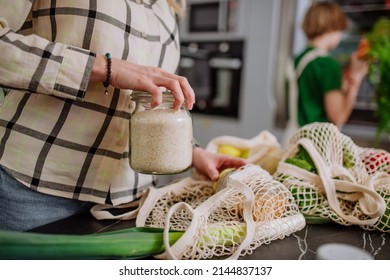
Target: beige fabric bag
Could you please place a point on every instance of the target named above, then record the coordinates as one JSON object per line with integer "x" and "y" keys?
{"x": 263, "y": 149}
{"x": 253, "y": 209}
{"x": 342, "y": 188}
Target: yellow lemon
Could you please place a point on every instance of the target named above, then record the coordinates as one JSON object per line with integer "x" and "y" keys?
{"x": 229, "y": 150}
{"x": 245, "y": 154}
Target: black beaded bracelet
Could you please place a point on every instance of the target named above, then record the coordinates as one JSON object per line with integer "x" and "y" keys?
{"x": 106, "y": 83}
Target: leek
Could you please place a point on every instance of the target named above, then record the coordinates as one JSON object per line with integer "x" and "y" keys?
{"x": 131, "y": 243}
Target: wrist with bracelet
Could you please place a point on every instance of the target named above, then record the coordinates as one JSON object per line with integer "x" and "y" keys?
{"x": 107, "y": 81}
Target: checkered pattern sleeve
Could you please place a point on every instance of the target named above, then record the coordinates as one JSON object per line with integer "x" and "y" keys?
{"x": 34, "y": 64}
{"x": 72, "y": 140}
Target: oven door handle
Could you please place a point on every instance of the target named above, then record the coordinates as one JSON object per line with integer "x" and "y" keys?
{"x": 186, "y": 62}
{"x": 225, "y": 63}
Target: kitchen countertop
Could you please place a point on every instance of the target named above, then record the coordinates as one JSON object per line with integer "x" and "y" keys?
{"x": 301, "y": 245}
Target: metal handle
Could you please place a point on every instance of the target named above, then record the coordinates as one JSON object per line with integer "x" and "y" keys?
{"x": 227, "y": 63}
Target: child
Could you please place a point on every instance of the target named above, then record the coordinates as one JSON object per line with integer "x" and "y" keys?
{"x": 324, "y": 94}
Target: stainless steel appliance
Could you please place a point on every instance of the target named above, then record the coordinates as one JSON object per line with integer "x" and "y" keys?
{"x": 217, "y": 16}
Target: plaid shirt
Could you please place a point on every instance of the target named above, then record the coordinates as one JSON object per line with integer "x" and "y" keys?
{"x": 60, "y": 134}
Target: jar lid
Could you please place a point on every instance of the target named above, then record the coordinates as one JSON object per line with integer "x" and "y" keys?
{"x": 144, "y": 96}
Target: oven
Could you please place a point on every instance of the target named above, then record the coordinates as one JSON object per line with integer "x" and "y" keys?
{"x": 214, "y": 70}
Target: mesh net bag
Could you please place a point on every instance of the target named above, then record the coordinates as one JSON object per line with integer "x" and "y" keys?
{"x": 333, "y": 179}
{"x": 250, "y": 210}
{"x": 263, "y": 149}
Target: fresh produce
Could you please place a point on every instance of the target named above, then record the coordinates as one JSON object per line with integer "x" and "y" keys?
{"x": 232, "y": 151}
{"x": 375, "y": 48}
{"x": 131, "y": 243}
{"x": 245, "y": 154}
{"x": 302, "y": 160}
{"x": 363, "y": 48}
{"x": 384, "y": 223}
{"x": 376, "y": 160}
{"x": 267, "y": 207}
{"x": 339, "y": 193}
{"x": 223, "y": 236}
{"x": 221, "y": 182}
{"x": 349, "y": 154}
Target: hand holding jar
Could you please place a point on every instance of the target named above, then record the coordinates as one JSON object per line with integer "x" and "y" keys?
{"x": 127, "y": 75}
{"x": 161, "y": 141}
{"x": 161, "y": 137}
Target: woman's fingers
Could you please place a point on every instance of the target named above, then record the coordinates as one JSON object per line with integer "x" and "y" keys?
{"x": 180, "y": 87}
{"x": 187, "y": 90}
{"x": 174, "y": 86}
{"x": 156, "y": 93}
{"x": 126, "y": 75}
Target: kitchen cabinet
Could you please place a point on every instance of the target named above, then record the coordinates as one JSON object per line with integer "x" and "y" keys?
{"x": 364, "y": 13}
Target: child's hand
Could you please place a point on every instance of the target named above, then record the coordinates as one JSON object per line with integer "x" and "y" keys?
{"x": 359, "y": 67}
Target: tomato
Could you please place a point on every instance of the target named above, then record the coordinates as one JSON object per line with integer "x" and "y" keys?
{"x": 376, "y": 160}
{"x": 363, "y": 47}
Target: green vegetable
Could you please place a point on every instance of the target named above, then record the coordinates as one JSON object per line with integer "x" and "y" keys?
{"x": 305, "y": 156}
{"x": 316, "y": 220}
{"x": 225, "y": 235}
{"x": 384, "y": 222}
{"x": 306, "y": 198}
{"x": 302, "y": 160}
{"x": 132, "y": 243}
{"x": 299, "y": 163}
{"x": 349, "y": 157}
{"x": 379, "y": 71}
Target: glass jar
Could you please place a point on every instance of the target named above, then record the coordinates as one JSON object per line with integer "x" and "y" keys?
{"x": 161, "y": 139}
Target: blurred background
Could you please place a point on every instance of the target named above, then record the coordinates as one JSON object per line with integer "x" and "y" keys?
{"x": 234, "y": 54}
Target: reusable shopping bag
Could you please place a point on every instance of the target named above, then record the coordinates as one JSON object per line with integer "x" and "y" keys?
{"x": 251, "y": 210}
{"x": 333, "y": 179}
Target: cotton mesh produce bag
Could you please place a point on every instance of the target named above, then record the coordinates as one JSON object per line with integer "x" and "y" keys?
{"x": 250, "y": 210}
{"x": 333, "y": 179}
{"x": 263, "y": 149}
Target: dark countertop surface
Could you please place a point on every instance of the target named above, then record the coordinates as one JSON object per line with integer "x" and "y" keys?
{"x": 301, "y": 245}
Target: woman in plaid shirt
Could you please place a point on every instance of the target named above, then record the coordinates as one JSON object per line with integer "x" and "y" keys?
{"x": 64, "y": 142}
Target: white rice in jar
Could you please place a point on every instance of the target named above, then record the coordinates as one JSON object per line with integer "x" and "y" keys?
{"x": 161, "y": 141}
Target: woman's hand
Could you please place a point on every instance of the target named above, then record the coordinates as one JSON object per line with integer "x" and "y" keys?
{"x": 210, "y": 164}
{"x": 127, "y": 75}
